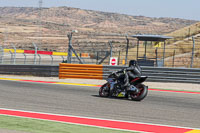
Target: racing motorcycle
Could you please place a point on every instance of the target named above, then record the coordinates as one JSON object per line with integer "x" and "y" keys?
{"x": 120, "y": 91}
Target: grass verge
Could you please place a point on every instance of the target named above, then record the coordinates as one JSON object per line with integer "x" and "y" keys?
{"x": 43, "y": 126}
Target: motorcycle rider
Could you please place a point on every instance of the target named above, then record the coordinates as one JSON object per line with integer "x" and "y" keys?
{"x": 132, "y": 72}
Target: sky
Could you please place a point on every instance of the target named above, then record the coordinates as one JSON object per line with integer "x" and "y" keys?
{"x": 187, "y": 9}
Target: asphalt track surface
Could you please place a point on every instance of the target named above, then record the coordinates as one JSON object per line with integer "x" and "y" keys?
{"x": 166, "y": 108}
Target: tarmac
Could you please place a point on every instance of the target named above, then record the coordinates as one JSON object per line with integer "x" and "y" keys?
{"x": 153, "y": 85}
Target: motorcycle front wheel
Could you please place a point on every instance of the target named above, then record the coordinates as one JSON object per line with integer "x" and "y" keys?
{"x": 143, "y": 90}
{"x": 104, "y": 90}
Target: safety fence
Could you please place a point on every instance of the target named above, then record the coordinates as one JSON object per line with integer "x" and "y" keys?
{"x": 177, "y": 52}
{"x": 42, "y": 52}
{"x": 20, "y": 56}
{"x": 155, "y": 74}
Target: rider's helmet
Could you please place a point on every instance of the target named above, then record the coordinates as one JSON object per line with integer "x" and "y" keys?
{"x": 132, "y": 63}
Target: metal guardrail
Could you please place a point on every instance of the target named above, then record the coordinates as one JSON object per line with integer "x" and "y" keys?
{"x": 163, "y": 74}
{"x": 35, "y": 70}
{"x": 155, "y": 74}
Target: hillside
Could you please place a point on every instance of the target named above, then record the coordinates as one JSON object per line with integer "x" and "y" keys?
{"x": 178, "y": 51}
{"x": 48, "y": 27}
{"x": 182, "y": 44}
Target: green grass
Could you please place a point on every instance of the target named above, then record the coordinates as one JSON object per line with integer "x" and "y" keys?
{"x": 43, "y": 126}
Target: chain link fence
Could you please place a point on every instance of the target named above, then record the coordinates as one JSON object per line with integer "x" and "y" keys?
{"x": 179, "y": 51}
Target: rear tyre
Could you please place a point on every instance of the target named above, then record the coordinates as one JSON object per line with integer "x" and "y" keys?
{"x": 104, "y": 90}
{"x": 143, "y": 90}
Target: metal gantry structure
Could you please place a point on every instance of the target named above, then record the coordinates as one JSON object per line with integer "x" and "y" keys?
{"x": 151, "y": 38}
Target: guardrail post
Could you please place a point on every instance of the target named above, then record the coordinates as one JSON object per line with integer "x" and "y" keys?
{"x": 14, "y": 56}
{"x": 35, "y": 55}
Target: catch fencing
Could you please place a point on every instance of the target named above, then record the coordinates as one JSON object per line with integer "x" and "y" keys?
{"x": 181, "y": 51}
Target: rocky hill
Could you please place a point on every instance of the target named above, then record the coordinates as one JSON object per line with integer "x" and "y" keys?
{"x": 49, "y": 26}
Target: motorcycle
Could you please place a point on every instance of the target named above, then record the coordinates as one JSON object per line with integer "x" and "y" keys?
{"x": 119, "y": 90}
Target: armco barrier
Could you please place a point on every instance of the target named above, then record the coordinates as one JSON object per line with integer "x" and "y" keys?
{"x": 155, "y": 74}
{"x": 84, "y": 71}
{"x": 163, "y": 74}
{"x": 35, "y": 70}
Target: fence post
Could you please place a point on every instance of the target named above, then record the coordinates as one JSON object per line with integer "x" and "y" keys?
{"x": 127, "y": 47}
{"x": 51, "y": 59}
{"x": 97, "y": 57}
{"x": 35, "y": 55}
{"x": 174, "y": 57}
{"x": 156, "y": 52}
{"x": 11, "y": 56}
{"x": 119, "y": 58}
{"x": 2, "y": 54}
{"x": 14, "y": 56}
{"x": 39, "y": 59}
{"x": 111, "y": 46}
{"x": 24, "y": 58}
{"x": 164, "y": 54}
{"x": 192, "y": 57}
{"x": 69, "y": 56}
{"x": 63, "y": 58}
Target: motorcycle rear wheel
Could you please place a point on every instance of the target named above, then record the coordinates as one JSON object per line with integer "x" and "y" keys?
{"x": 141, "y": 95}
{"x": 104, "y": 90}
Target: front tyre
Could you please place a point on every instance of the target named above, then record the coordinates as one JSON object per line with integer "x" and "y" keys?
{"x": 143, "y": 90}
{"x": 104, "y": 90}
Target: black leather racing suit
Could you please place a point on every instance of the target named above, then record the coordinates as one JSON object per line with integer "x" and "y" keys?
{"x": 132, "y": 72}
